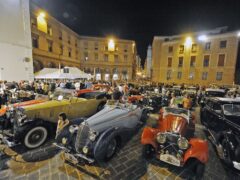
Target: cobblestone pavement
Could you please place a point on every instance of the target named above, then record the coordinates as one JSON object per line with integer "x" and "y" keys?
{"x": 48, "y": 163}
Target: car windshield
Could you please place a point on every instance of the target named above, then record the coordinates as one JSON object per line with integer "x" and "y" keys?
{"x": 177, "y": 111}
{"x": 231, "y": 109}
{"x": 214, "y": 94}
{"x": 60, "y": 95}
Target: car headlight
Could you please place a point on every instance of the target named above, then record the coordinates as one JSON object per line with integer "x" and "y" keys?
{"x": 73, "y": 128}
{"x": 85, "y": 149}
{"x": 150, "y": 100}
{"x": 161, "y": 138}
{"x": 92, "y": 135}
{"x": 182, "y": 143}
{"x": 64, "y": 141}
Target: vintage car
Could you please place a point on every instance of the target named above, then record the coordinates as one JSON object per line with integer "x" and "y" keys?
{"x": 4, "y": 111}
{"x": 172, "y": 140}
{"x": 222, "y": 118}
{"x": 98, "y": 137}
{"x": 153, "y": 100}
{"x": 32, "y": 124}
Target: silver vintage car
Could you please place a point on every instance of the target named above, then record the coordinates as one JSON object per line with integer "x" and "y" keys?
{"x": 98, "y": 137}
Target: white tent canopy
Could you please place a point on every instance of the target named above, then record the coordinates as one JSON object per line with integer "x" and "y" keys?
{"x": 64, "y": 73}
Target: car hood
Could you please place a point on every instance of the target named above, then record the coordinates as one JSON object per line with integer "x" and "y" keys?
{"x": 176, "y": 124}
{"x": 114, "y": 116}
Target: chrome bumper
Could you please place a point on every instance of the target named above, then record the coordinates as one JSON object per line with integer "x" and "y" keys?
{"x": 5, "y": 140}
{"x": 66, "y": 150}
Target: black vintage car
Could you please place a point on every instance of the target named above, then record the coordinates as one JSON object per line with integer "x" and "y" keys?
{"x": 222, "y": 118}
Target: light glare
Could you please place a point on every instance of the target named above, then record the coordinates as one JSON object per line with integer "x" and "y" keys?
{"x": 202, "y": 38}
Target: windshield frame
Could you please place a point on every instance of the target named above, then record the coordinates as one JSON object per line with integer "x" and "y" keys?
{"x": 233, "y": 113}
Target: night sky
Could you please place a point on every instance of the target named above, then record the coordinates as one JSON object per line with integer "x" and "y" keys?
{"x": 141, "y": 20}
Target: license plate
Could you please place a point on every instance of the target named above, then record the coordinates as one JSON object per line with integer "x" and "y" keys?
{"x": 170, "y": 159}
{"x": 71, "y": 158}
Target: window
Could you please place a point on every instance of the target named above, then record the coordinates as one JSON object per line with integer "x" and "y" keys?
{"x": 219, "y": 76}
{"x": 96, "y": 45}
{"x": 49, "y": 30}
{"x": 65, "y": 70}
{"x": 50, "y": 46}
{"x": 106, "y": 57}
{"x": 116, "y": 59}
{"x": 69, "y": 39}
{"x": 207, "y": 46}
{"x": 193, "y": 61}
{"x": 181, "y": 49}
{"x": 180, "y": 61}
{"x": 60, "y": 35}
{"x": 191, "y": 75}
{"x": 86, "y": 56}
{"x": 35, "y": 41}
{"x": 125, "y": 58}
{"x": 206, "y": 61}
{"x": 126, "y": 49}
{"x": 170, "y": 49}
{"x": 96, "y": 56}
{"x": 204, "y": 75}
{"x": 221, "y": 59}
{"x": 194, "y": 47}
{"x": 76, "y": 43}
{"x": 69, "y": 52}
{"x": 61, "y": 49}
{"x": 179, "y": 75}
{"x": 223, "y": 44}
{"x": 169, "y": 72}
{"x": 169, "y": 62}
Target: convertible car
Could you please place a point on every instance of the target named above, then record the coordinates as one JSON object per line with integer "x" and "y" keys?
{"x": 172, "y": 140}
{"x": 98, "y": 137}
{"x": 32, "y": 124}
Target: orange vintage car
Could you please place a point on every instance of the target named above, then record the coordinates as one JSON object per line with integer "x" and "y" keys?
{"x": 172, "y": 140}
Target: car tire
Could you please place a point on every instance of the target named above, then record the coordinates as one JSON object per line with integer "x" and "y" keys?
{"x": 148, "y": 152}
{"x": 38, "y": 134}
{"x": 111, "y": 149}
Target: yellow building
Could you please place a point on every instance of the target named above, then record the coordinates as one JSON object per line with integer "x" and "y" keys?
{"x": 198, "y": 58}
{"x": 56, "y": 45}
{"x": 108, "y": 58}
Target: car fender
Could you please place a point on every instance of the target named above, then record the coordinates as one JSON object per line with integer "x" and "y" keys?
{"x": 102, "y": 141}
{"x": 198, "y": 149}
{"x": 148, "y": 136}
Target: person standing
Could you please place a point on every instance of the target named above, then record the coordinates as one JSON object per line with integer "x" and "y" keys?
{"x": 62, "y": 123}
{"x": 173, "y": 103}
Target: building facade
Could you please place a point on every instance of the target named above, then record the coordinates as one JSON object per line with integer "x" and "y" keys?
{"x": 108, "y": 59}
{"x": 199, "y": 58}
{"x": 56, "y": 45}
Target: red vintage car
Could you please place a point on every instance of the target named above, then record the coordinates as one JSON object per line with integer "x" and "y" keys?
{"x": 172, "y": 140}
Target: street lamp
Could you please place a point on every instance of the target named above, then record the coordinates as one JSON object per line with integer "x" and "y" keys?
{"x": 111, "y": 45}
{"x": 188, "y": 42}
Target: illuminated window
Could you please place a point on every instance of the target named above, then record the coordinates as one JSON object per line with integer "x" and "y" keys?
{"x": 219, "y": 76}
{"x": 206, "y": 61}
{"x": 180, "y": 62}
{"x": 194, "y": 48}
{"x": 169, "y": 62}
{"x": 181, "y": 49}
{"x": 221, "y": 59}
{"x": 193, "y": 61}
{"x": 223, "y": 44}
{"x": 204, "y": 75}
{"x": 207, "y": 46}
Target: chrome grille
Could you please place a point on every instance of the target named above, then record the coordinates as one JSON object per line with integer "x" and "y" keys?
{"x": 82, "y": 137}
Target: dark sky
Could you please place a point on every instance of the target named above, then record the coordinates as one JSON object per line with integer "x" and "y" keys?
{"x": 141, "y": 20}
